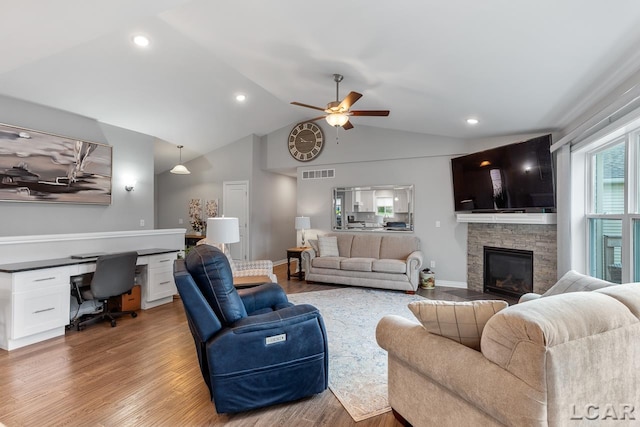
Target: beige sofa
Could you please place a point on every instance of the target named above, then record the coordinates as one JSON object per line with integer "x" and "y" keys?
{"x": 371, "y": 260}
{"x": 564, "y": 360}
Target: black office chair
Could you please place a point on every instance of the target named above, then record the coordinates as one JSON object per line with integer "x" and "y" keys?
{"x": 115, "y": 275}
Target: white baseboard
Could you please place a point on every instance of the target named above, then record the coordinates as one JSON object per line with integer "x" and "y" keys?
{"x": 451, "y": 284}
{"x": 279, "y": 262}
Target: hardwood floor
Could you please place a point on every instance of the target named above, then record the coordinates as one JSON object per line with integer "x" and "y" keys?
{"x": 144, "y": 372}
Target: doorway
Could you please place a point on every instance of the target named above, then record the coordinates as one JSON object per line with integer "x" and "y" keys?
{"x": 235, "y": 203}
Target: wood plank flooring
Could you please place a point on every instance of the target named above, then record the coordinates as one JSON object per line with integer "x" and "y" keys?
{"x": 143, "y": 372}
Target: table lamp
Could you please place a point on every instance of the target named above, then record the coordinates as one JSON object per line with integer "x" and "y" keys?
{"x": 223, "y": 230}
{"x": 303, "y": 223}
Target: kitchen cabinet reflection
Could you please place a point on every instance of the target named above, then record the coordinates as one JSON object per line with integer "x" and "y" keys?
{"x": 384, "y": 208}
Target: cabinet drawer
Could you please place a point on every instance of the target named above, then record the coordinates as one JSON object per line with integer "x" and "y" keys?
{"x": 160, "y": 285}
{"x": 38, "y": 279}
{"x": 40, "y": 310}
{"x": 162, "y": 261}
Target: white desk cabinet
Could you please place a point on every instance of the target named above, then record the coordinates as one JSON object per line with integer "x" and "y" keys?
{"x": 34, "y": 306}
{"x": 160, "y": 286}
{"x": 35, "y": 296}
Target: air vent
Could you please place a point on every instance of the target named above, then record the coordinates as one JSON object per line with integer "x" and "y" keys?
{"x": 319, "y": 174}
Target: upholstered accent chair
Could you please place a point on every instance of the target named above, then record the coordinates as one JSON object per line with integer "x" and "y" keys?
{"x": 255, "y": 348}
{"x": 570, "y": 359}
{"x": 248, "y": 268}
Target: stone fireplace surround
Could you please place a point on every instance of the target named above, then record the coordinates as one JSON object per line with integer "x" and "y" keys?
{"x": 539, "y": 238}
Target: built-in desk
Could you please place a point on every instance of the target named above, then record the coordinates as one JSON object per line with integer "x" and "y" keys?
{"x": 35, "y": 295}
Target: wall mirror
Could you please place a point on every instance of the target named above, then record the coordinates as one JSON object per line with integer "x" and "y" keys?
{"x": 378, "y": 208}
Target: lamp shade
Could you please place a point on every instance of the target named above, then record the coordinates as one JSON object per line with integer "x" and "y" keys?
{"x": 223, "y": 230}
{"x": 303, "y": 223}
{"x": 180, "y": 170}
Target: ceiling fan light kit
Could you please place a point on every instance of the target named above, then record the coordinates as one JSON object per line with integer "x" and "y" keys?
{"x": 337, "y": 119}
{"x": 338, "y": 112}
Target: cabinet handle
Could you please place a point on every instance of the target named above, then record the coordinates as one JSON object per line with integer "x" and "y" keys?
{"x": 42, "y": 311}
{"x": 44, "y": 278}
{"x": 164, "y": 283}
{"x": 165, "y": 260}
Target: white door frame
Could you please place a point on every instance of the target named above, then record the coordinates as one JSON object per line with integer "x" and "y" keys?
{"x": 246, "y": 246}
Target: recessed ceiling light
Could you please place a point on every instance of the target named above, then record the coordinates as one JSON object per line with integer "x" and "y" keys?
{"x": 241, "y": 98}
{"x": 472, "y": 121}
{"x": 142, "y": 41}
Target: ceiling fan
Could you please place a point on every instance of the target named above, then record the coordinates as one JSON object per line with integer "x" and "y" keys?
{"x": 338, "y": 112}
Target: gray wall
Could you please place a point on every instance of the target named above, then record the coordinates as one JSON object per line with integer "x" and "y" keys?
{"x": 272, "y": 198}
{"x": 370, "y": 156}
{"x": 132, "y": 157}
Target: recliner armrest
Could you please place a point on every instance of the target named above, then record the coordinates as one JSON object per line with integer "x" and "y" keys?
{"x": 276, "y": 319}
{"x": 268, "y": 295}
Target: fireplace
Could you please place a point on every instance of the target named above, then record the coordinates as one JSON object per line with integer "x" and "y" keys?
{"x": 508, "y": 271}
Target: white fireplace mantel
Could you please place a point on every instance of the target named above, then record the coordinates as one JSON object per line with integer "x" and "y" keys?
{"x": 508, "y": 218}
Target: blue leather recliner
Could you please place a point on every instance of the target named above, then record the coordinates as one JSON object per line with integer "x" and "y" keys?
{"x": 255, "y": 348}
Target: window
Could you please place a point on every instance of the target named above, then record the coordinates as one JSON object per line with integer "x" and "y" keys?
{"x": 384, "y": 206}
{"x": 613, "y": 223}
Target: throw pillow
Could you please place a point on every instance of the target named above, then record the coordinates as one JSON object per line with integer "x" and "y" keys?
{"x": 328, "y": 246}
{"x": 314, "y": 245}
{"x": 460, "y": 321}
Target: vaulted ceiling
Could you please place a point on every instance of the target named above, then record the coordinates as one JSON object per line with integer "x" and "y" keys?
{"x": 516, "y": 66}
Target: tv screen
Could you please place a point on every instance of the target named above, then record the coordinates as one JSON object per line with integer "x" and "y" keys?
{"x": 512, "y": 178}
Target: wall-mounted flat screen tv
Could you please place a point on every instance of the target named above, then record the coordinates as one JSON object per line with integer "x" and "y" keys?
{"x": 512, "y": 178}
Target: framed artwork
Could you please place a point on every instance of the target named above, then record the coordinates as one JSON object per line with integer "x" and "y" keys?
{"x": 212, "y": 208}
{"x": 195, "y": 215}
{"x": 42, "y": 167}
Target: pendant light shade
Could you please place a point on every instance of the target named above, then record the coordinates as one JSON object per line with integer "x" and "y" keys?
{"x": 180, "y": 169}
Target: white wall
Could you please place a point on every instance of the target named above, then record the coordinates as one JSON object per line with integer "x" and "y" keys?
{"x": 132, "y": 156}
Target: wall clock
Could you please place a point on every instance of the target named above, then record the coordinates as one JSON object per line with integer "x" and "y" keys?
{"x": 305, "y": 141}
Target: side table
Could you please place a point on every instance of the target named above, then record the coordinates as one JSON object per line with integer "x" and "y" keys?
{"x": 295, "y": 253}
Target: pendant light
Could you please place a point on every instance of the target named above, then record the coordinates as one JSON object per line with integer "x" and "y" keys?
{"x": 180, "y": 169}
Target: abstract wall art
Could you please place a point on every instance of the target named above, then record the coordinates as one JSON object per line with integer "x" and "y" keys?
{"x": 42, "y": 167}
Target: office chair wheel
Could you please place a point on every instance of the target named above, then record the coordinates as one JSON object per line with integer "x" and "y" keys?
{"x": 134, "y": 314}
{"x": 113, "y": 323}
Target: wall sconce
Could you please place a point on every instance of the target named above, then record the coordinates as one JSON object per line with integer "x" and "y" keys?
{"x": 129, "y": 185}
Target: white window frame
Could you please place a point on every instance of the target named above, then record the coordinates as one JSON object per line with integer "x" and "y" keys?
{"x": 582, "y": 194}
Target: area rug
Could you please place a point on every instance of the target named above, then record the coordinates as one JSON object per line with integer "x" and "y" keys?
{"x": 357, "y": 365}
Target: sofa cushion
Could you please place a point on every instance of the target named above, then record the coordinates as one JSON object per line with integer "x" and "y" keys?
{"x": 573, "y": 281}
{"x": 628, "y": 294}
{"x": 389, "y": 266}
{"x": 356, "y": 264}
{"x": 327, "y": 262}
{"x": 398, "y": 247}
{"x": 366, "y": 246}
{"x": 328, "y": 246}
{"x": 460, "y": 321}
{"x": 344, "y": 244}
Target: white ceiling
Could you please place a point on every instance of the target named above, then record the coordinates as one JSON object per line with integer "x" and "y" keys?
{"x": 518, "y": 66}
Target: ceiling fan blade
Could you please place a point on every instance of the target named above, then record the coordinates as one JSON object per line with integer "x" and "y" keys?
{"x": 299, "y": 104}
{"x": 347, "y": 125}
{"x": 349, "y": 100}
{"x": 369, "y": 113}
{"x": 316, "y": 118}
